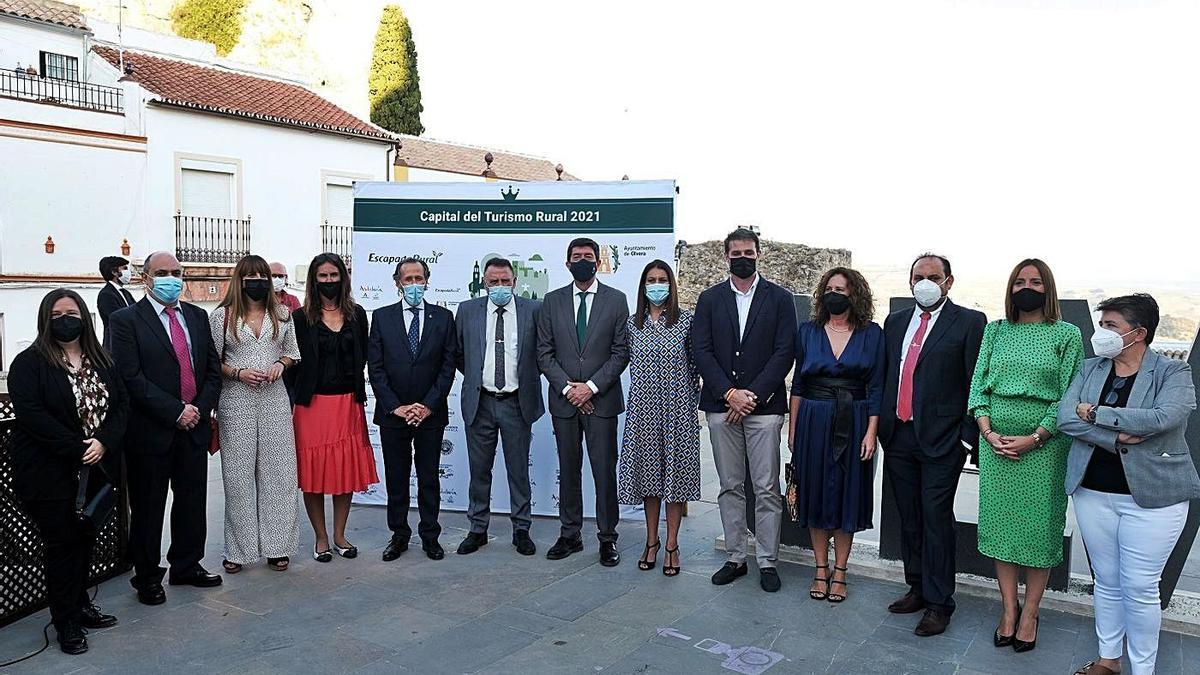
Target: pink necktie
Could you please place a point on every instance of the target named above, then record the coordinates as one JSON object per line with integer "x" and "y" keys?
{"x": 904, "y": 405}
{"x": 187, "y": 378}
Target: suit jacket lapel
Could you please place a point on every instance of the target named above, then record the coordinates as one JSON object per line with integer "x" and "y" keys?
{"x": 599, "y": 300}
{"x": 148, "y": 311}
{"x": 127, "y": 296}
{"x": 1095, "y": 384}
{"x": 756, "y": 304}
{"x": 1144, "y": 381}
{"x": 481, "y": 339}
{"x": 731, "y": 311}
{"x": 522, "y": 320}
{"x": 949, "y": 315}
{"x": 424, "y": 331}
{"x": 63, "y": 380}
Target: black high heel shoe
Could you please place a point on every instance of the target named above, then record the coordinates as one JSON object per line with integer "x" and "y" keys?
{"x": 647, "y": 565}
{"x": 1020, "y": 646}
{"x": 670, "y": 570}
{"x": 1001, "y": 641}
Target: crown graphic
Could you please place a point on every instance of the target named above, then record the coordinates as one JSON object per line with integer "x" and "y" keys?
{"x": 510, "y": 195}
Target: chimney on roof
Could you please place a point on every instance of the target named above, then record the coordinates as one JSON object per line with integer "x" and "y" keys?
{"x": 488, "y": 174}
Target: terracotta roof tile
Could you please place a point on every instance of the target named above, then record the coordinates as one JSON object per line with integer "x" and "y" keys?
{"x": 428, "y": 154}
{"x": 45, "y": 10}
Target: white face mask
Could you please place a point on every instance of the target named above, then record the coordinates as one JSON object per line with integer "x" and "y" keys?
{"x": 927, "y": 293}
{"x": 126, "y": 276}
{"x": 278, "y": 283}
{"x": 1108, "y": 343}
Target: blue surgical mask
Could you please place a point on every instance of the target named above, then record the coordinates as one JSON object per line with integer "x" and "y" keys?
{"x": 167, "y": 289}
{"x": 658, "y": 293}
{"x": 500, "y": 295}
{"x": 413, "y": 294}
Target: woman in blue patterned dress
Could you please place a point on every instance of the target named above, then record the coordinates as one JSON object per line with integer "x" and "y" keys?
{"x": 660, "y": 452}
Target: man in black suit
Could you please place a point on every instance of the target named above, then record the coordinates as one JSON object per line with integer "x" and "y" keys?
{"x": 116, "y": 274}
{"x": 163, "y": 349}
{"x": 411, "y": 363}
{"x": 925, "y": 431}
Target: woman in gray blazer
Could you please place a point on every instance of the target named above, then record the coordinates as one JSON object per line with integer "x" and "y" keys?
{"x": 1130, "y": 475}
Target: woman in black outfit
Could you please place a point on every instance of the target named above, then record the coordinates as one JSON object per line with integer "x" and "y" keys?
{"x": 71, "y": 410}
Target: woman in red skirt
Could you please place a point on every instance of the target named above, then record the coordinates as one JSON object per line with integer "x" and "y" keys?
{"x": 333, "y": 451}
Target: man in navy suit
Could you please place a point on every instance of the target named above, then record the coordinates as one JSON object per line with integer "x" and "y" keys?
{"x": 925, "y": 429}
{"x": 410, "y": 361}
{"x": 744, "y": 342}
{"x": 116, "y": 274}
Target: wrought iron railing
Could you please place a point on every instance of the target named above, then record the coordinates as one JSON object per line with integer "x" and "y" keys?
{"x": 203, "y": 239}
{"x": 337, "y": 238}
{"x": 30, "y": 87}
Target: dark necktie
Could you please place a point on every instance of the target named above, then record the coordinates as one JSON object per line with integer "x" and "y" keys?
{"x": 414, "y": 330}
{"x": 581, "y": 319}
{"x": 500, "y": 381}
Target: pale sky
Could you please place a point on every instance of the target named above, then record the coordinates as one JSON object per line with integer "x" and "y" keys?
{"x": 990, "y": 131}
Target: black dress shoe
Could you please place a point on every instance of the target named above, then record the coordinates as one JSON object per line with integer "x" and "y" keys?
{"x": 201, "y": 578}
{"x": 1002, "y": 641}
{"x": 394, "y": 548}
{"x": 152, "y": 595}
{"x": 472, "y": 543}
{"x": 564, "y": 547}
{"x": 72, "y": 638}
{"x": 728, "y": 572}
{"x": 90, "y": 616}
{"x": 768, "y": 578}
{"x": 433, "y": 550}
{"x": 524, "y": 544}
{"x": 609, "y": 556}
{"x": 910, "y": 603}
{"x": 934, "y": 622}
{"x": 1020, "y": 646}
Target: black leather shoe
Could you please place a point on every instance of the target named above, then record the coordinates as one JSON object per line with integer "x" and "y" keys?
{"x": 72, "y": 638}
{"x": 433, "y": 550}
{"x": 910, "y": 603}
{"x": 729, "y": 572}
{"x": 472, "y": 543}
{"x": 768, "y": 578}
{"x": 394, "y": 548}
{"x": 563, "y": 548}
{"x": 1002, "y": 641}
{"x": 1020, "y": 646}
{"x": 90, "y": 616}
{"x": 609, "y": 556}
{"x": 524, "y": 544}
{"x": 201, "y": 578}
{"x": 933, "y": 623}
{"x": 152, "y": 595}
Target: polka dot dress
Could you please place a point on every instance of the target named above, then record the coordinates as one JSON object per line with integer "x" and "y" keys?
{"x": 1022, "y": 372}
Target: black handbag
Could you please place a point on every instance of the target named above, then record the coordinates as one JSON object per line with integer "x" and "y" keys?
{"x": 94, "y": 513}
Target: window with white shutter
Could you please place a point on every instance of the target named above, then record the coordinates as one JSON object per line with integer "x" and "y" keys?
{"x": 207, "y": 193}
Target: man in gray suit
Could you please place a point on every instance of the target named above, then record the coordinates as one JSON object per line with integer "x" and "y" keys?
{"x": 501, "y": 395}
{"x": 582, "y": 350}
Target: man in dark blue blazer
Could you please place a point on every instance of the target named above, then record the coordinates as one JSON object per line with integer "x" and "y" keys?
{"x": 116, "y": 274}
{"x": 410, "y": 361}
{"x": 925, "y": 429}
{"x": 744, "y": 342}
{"x": 164, "y": 352}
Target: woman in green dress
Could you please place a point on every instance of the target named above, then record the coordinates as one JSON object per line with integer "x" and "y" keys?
{"x": 1026, "y": 362}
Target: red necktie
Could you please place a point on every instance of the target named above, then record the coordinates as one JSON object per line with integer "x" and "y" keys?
{"x": 904, "y": 406}
{"x": 187, "y": 377}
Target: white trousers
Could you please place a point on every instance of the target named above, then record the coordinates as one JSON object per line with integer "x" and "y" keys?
{"x": 1128, "y": 547}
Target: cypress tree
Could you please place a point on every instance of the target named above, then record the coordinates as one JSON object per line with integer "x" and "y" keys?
{"x": 395, "y": 88}
{"x": 215, "y": 21}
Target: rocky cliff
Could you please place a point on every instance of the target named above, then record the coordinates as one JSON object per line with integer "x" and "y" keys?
{"x": 794, "y": 266}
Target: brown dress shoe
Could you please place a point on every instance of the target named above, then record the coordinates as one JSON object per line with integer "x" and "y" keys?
{"x": 933, "y": 623}
{"x": 910, "y": 603}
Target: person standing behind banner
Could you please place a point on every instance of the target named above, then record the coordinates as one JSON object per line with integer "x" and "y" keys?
{"x": 1026, "y": 363}
{"x": 333, "y": 451}
{"x": 279, "y": 280}
{"x": 582, "y": 351}
{"x": 924, "y": 429}
{"x": 116, "y": 274}
{"x": 71, "y": 410}
{"x": 165, "y": 354}
{"x": 256, "y": 338}
{"x": 660, "y": 452}
{"x": 501, "y": 395}
{"x": 744, "y": 342}
{"x": 1130, "y": 475}
{"x": 411, "y": 360}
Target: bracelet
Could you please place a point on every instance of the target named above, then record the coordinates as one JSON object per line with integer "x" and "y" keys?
{"x": 280, "y": 362}
{"x": 1037, "y": 439}
{"x": 237, "y": 374}
{"x": 731, "y": 390}
{"x": 989, "y": 432}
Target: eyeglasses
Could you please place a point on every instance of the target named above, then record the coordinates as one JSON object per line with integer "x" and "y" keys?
{"x": 1118, "y": 385}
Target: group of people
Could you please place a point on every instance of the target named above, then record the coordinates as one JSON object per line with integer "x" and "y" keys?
{"x": 278, "y": 387}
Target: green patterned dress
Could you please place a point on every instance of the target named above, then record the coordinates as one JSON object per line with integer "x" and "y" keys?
{"x": 1022, "y": 372}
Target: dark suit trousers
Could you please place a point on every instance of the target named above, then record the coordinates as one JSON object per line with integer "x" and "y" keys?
{"x": 68, "y": 555}
{"x": 184, "y": 469}
{"x": 400, "y": 446}
{"x": 924, "y": 487}
{"x": 601, "y": 436}
{"x": 499, "y": 419}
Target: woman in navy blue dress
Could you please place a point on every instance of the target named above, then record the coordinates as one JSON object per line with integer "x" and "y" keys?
{"x": 836, "y": 395}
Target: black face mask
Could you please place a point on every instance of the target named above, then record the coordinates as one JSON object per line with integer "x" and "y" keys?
{"x": 583, "y": 270}
{"x": 743, "y": 268}
{"x": 256, "y": 289}
{"x": 1029, "y": 300}
{"x": 835, "y": 303}
{"x": 329, "y": 289}
{"x": 66, "y": 328}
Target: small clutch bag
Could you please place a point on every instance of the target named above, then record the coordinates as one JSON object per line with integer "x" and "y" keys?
{"x": 95, "y": 512}
{"x": 790, "y": 496}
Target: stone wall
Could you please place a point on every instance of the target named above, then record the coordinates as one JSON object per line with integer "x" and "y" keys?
{"x": 794, "y": 266}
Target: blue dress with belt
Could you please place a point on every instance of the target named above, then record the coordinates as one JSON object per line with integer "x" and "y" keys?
{"x": 834, "y": 487}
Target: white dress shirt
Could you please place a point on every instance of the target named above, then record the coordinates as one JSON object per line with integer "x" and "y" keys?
{"x": 510, "y": 348}
{"x": 408, "y": 318}
{"x": 590, "y": 298}
{"x": 744, "y": 300}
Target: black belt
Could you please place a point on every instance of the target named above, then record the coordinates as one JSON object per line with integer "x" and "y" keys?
{"x": 498, "y": 395}
{"x": 844, "y": 392}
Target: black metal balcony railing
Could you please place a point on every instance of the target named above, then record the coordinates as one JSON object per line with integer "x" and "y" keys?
{"x": 30, "y": 87}
{"x": 337, "y": 238}
{"x": 202, "y": 239}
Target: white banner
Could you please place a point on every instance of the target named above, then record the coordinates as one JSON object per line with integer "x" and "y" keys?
{"x": 455, "y": 228}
